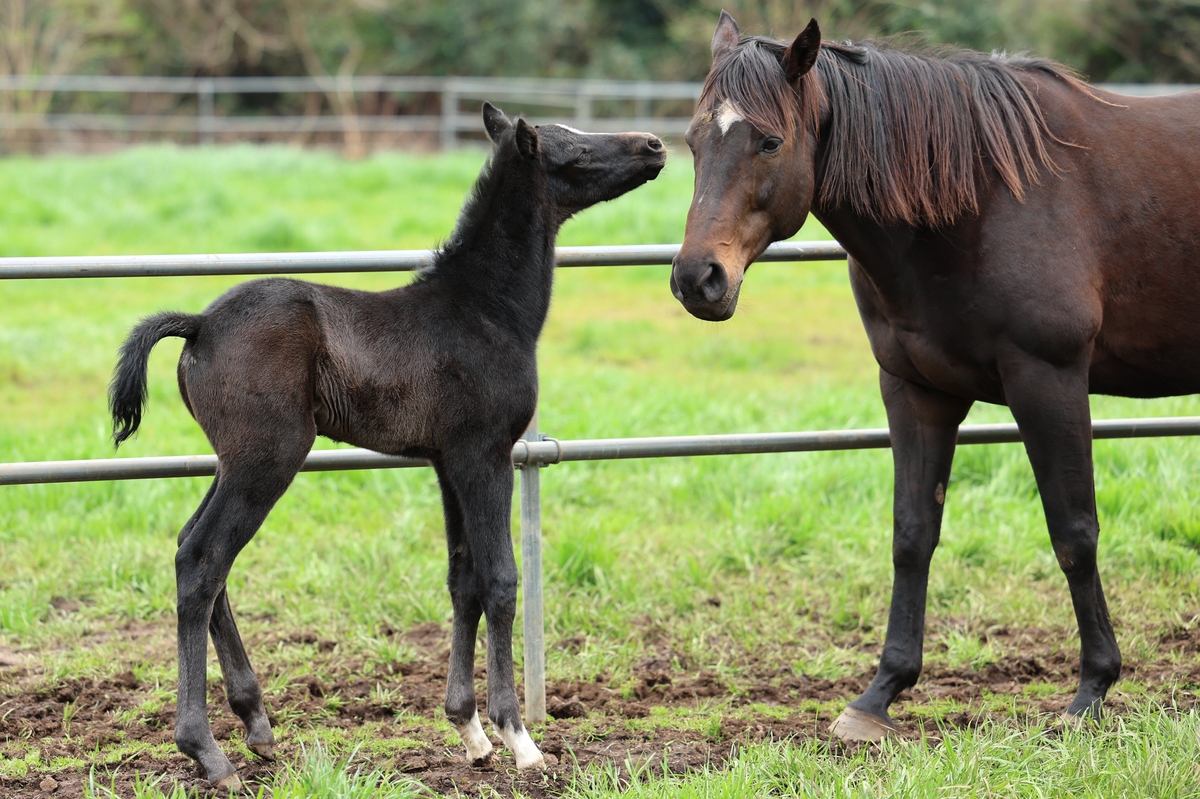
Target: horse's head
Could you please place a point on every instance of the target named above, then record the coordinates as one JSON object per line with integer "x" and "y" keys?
{"x": 581, "y": 169}
{"x": 752, "y": 141}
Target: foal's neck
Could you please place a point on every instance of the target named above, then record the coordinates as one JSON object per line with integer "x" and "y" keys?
{"x": 501, "y": 254}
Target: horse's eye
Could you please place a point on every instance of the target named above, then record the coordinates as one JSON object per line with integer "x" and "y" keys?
{"x": 771, "y": 145}
{"x": 584, "y": 157}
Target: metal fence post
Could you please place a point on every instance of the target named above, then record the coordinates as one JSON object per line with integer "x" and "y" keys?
{"x": 205, "y": 109}
{"x": 450, "y": 117}
{"x": 583, "y": 110}
{"x": 531, "y": 568}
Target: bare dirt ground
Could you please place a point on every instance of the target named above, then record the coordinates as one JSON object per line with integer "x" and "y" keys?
{"x": 590, "y": 720}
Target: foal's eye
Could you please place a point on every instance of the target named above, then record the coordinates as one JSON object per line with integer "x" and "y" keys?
{"x": 584, "y": 157}
{"x": 770, "y": 145}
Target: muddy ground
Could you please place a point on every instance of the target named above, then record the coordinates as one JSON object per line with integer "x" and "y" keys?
{"x": 590, "y": 720}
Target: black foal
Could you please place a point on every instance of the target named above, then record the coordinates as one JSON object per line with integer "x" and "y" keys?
{"x": 443, "y": 369}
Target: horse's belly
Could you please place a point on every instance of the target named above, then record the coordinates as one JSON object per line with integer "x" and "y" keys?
{"x": 1149, "y": 343}
{"x": 1145, "y": 371}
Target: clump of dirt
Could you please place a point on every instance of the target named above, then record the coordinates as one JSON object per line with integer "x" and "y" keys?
{"x": 591, "y": 722}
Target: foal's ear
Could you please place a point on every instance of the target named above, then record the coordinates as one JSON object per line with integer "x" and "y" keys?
{"x": 802, "y": 53}
{"x": 527, "y": 139}
{"x": 494, "y": 122}
{"x": 725, "y": 38}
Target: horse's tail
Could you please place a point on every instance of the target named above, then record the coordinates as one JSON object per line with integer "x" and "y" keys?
{"x": 127, "y": 391}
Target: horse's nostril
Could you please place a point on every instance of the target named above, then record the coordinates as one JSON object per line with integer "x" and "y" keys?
{"x": 714, "y": 283}
{"x": 655, "y": 144}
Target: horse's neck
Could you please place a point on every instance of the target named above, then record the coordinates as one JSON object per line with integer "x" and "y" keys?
{"x": 505, "y": 263}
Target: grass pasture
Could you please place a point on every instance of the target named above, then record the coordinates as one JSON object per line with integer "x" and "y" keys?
{"x": 706, "y": 617}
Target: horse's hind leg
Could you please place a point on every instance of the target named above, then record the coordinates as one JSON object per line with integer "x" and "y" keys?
{"x": 461, "y": 708}
{"x": 241, "y": 685}
{"x": 243, "y": 496}
{"x": 1051, "y": 407}
{"x": 924, "y": 428}
{"x": 483, "y": 481}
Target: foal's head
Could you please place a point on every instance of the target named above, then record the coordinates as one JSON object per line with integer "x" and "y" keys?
{"x": 581, "y": 169}
{"x": 752, "y": 142}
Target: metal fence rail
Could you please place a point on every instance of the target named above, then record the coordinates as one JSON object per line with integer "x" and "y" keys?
{"x": 534, "y": 450}
{"x": 544, "y": 451}
{"x": 576, "y": 100}
{"x": 646, "y": 104}
{"x": 294, "y": 263}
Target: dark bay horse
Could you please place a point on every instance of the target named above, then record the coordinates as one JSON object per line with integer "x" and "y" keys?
{"x": 444, "y": 369}
{"x": 1015, "y": 237}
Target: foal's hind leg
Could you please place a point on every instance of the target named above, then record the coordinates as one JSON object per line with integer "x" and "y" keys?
{"x": 243, "y": 496}
{"x": 483, "y": 482}
{"x": 1051, "y": 407}
{"x": 924, "y": 427}
{"x": 241, "y": 686}
{"x": 461, "y": 707}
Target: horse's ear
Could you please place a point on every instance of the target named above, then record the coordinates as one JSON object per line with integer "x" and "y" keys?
{"x": 527, "y": 139}
{"x": 725, "y": 38}
{"x": 801, "y": 54}
{"x": 494, "y": 122}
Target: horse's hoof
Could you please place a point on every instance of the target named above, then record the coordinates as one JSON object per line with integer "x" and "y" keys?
{"x": 854, "y": 725}
{"x": 536, "y": 762}
{"x": 232, "y": 783}
{"x": 1071, "y": 721}
{"x": 265, "y": 751}
{"x": 525, "y": 751}
{"x": 479, "y": 748}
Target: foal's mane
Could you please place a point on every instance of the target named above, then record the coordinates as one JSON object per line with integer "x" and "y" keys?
{"x": 905, "y": 132}
{"x": 490, "y": 195}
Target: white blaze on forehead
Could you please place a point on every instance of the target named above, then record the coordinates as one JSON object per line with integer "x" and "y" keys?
{"x": 727, "y": 116}
{"x": 577, "y": 132}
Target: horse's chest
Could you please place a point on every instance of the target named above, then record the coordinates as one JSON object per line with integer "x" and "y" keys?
{"x": 949, "y": 354}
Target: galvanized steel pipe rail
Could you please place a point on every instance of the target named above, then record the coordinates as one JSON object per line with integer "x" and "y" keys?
{"x": 550, "y": 451}
{"x": 297, "y": 263}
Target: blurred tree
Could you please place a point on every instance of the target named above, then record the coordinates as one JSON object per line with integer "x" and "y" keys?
{"x": 1138, "y": 41}
{"x": 50, "y": 37}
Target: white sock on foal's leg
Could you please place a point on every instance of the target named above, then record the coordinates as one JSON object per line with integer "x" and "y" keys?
{"x": 524, "y": 750}
{"x": 479, "y": 748}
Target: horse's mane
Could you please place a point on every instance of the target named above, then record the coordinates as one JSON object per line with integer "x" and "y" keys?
{"x": 906, "y": 132}
{"x": 489, "y": 196}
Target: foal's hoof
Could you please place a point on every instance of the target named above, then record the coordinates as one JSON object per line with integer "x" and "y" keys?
{"x": 265, "y": 751}
{"x": 232, "y": 783}
{"x": 854, "y": 725}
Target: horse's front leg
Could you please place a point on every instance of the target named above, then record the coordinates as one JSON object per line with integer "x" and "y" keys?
{"x": 483, "y": 482}
{"x": 924, "y": 428}
{"x": 1050, "y": 404}
{"x": 461, "y": 708}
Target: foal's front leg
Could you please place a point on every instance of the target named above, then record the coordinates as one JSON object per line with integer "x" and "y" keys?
{"x": 461, "y": 708}
{"x": 483, "y": 482}
{"x": 924, "y": 428}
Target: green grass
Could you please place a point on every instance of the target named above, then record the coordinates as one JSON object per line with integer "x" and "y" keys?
{"x": 784, "y": 556}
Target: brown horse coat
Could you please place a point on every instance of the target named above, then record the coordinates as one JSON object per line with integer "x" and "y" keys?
{"x": 1015, "y": 236}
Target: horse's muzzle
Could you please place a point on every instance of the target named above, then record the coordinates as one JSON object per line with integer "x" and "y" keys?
{"x": 702, "y": 286}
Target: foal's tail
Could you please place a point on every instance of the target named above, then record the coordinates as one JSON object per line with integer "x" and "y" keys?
{"x": 127, "y": 391}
